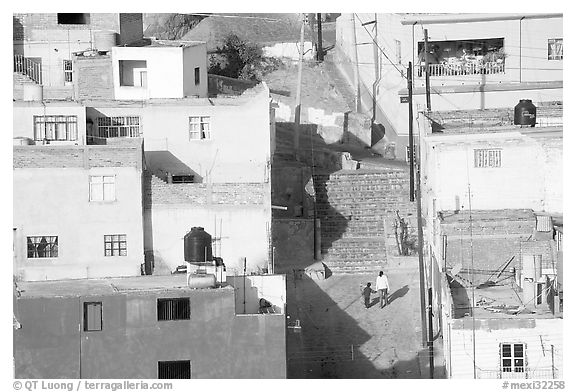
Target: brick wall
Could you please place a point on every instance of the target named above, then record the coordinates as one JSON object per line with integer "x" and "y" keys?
{"x": 77, "y": 156}
{"x": 41, "y": 26}
{"x": 94, "y": 78}
{"x": 158, "y": 192}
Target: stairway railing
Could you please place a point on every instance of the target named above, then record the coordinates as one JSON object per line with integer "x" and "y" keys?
{"x": 28, "y": 67}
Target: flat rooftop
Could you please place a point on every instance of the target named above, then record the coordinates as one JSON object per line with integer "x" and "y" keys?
{"x": 158, "y": 43}
{"x": 502, "y": 301}
{"x": 549, "y": 118}
{"x": 106, "y": 286}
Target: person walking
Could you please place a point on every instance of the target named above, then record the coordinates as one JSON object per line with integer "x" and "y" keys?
{"x": 382, "y": 287}
{"x": 366, "y": 291}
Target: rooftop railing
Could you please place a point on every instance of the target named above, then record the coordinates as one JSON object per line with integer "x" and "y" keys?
{"x": 461, "y": 68}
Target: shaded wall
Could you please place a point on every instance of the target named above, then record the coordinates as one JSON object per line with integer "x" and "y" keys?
{"x": 217, "y": 343}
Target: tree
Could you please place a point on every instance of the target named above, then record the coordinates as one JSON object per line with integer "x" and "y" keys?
{"x": 237, "y": 59}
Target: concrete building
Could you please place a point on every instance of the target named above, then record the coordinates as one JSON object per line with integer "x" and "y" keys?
{"x": 49, "y": 121}
{"x": 44, "y": 43}
{"x": 160, "y": 69}
{"x": 521, "y": 57}
{"x": 492, "y": 202}
{"x": 150, "y": 327}
{"x": 78, "y": 211}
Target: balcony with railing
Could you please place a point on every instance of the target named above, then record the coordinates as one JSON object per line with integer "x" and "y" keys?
{"x": 28, "y": 67}
{"x": 462, "y": 68}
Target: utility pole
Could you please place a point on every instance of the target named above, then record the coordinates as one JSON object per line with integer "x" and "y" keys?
{"x": 427, "y": 68}
{"x": 298, "y": 94}
{"x": 418, "y": 208}
{"x": 355, "y": 65}
{"x": 319, "y": 50}
{"x": 410, "y": 131}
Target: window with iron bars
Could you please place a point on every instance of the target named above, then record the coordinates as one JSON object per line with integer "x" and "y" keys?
{"x": 173, "y": 309}
{"x": 555, "y": 49}
{"x": 42, "y": 246}
{"x": 55, "y": 128}
{"x": 123, "y": 126}
{"x": 487, "y": 158}
{"x": 115, "y": 245}
{"x": 199, "y": 128}
{"x": 173, "y": 369}
{"x": 67, "y": 71}
{"x": 513, "y": 357}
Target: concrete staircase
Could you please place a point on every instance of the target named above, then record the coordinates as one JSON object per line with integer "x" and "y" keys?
{"x": 357, "y": 210}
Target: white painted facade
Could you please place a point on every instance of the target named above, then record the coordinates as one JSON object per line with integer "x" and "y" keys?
{"x": 157, "y": 71}
{"x": 528, "y": 74}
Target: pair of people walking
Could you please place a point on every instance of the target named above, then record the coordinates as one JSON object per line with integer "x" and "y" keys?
{"x": 382, "y": 287}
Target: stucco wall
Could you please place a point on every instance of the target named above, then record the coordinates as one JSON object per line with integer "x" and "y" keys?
{"x": 164, "y": 72}
{"x": 537, "y": 334}
{"x": 239, "y": 147}
{"x": 56, "y": 202}
{"x": 529, "y": 176}
{"x": 218, "y": 343}
{"x": 23, "y": 118}
{"x": 242, "y": 228}
{"x": 195, "y": 56}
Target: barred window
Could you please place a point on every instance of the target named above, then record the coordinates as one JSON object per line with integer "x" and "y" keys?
{"x": 67, "y": 70}
{"x": 512, "y": 357}
{"x": 487, "y": 158}
{"x": 199, "y": 128}
{"x": 55, "y": 128}
{"x": 174, "y": 369}
{"x": 173, "y": 309}
{"x": 115, "y": 245}
{"x": 42, "y": 246}
{"x": 123, "y": 126}
{"x": 555, "y": 49}
{"x": 102, "y": 188}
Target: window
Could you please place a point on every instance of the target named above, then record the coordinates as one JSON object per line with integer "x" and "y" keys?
{"x": 512, "y": 357}
{"x": 183, "y": 179}
{"x": 42, "y": 246}
{"x": 199, "y": 128}
{"x": 487, "y": 158}
{"x": 55, "y": 128}
{"x": 115, "y": 245}
{"x": 92, "y": 316}
{"x": 67, "y": 71}
{"x": 73, "y": 18}
{"x": 102, "y": 188}
{"x": 197, "y": 76}
{"x": 173, "y": 309}
{"x": 133, "y": 73}
{"x": 123, "y": 126}
{"x": 555, "y": 49}
{"x": 173, "y": 369}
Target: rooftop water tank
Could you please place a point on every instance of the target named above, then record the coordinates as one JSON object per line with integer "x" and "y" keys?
{"x": 201, "y": 281}
{"x": 197, "y": 246}
{"x": 525, "y": 113}
{"x": 104, "y": 40}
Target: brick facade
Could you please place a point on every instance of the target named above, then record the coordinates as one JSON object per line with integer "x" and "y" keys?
{"x": 94, "y": 78}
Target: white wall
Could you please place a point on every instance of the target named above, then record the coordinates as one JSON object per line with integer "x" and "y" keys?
{"x": 165, "y": 72}
{"x": 537, "y": 334}
{"x": 239, "y": 148}
{"x": 56, "y": 202}
{"x": 195, "y": 56}
{"x": 23, "y": 118}
{"x": 243, "y": 230}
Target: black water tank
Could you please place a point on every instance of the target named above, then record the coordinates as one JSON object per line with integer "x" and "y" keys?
{"x": 525, "y": 113}
{"x": 197, "y": 246}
